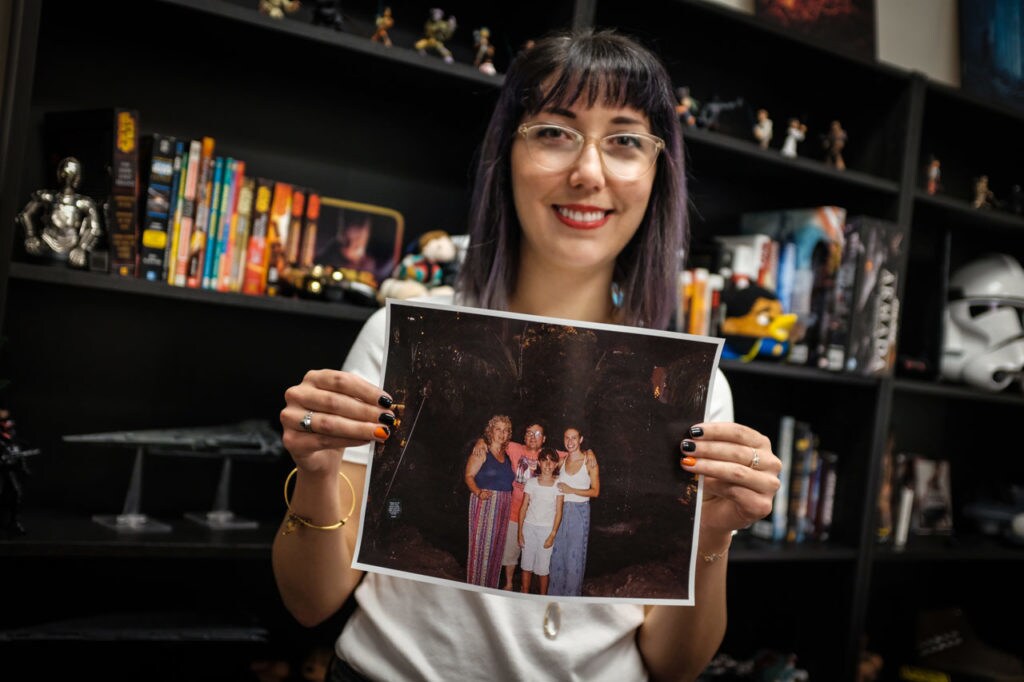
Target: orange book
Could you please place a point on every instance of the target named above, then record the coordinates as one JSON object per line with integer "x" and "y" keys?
{"x": 254, "y": 280}
{"x": 277, "y": 236}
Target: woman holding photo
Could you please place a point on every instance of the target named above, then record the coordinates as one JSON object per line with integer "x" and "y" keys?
{"x": 579, "y": 211}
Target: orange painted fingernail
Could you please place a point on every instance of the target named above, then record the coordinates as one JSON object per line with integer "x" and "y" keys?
{"x": 688, "y": 461}
{"x": 381, "y": 432}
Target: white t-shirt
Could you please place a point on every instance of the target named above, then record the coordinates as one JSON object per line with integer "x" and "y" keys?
{"x": 543, "y": 498}
{"x": 411, "y": 630}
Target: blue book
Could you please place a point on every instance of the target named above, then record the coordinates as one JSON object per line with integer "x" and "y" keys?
{"x": 214, "y": 221}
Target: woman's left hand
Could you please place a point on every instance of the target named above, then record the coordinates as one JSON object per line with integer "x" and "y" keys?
{"x": 741, "y": 473}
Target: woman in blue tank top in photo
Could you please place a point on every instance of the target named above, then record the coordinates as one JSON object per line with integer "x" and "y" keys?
{"x": 489, "y": 478}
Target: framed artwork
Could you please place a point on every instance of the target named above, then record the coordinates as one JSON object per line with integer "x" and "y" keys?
{"x": 845, "y": 25}
{"x": 992, "y": 50}
{"x": 358, "y": 236}
{"x": 479, "y": 392}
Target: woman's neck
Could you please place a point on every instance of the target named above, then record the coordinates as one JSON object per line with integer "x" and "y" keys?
{"x": 562, "y": 293}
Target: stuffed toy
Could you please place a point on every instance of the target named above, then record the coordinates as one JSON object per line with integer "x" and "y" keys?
{"x": 429, "y": 271}
{"x": 754, "y": 324}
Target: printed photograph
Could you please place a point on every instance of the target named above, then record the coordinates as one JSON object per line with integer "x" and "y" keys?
{"x": 534, "y": 457}
{"x": 359, "y": 237}
{"x": 843, "y": 25}
{"x": 991, "y": 47}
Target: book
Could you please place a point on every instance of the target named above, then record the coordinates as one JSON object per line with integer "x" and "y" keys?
{"x": 187, "y": 210}
{"x": 298, "y": 213}
{"x": 277, "y": 237}
{"x": 799, "y": 487}
{"x": 221, "y": 167}
{"x": 206, "y": 194}
{"x": 874, "y": 319}
{"x": 226, "y": 236}
{"x": 242, "y": 228}
{"x": 157, "y": 160}
{"x": 310, "y": 225}
{"x": 174, "y": 214}
{"x": 817, "y": 236}
{"x": 773, "y": 527}
{"x": 106, "y": 143}
{"x": 255, "y": 276}
{"x": 826, "y": 497}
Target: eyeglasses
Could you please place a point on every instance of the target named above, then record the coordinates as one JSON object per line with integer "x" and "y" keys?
{"x": 626, "y": 155}
{"x": 536, "y": 432}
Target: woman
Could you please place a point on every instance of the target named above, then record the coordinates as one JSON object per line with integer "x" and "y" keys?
{"x": 579, "y": 482}
{"x": 489, "y": 478}
{"x": 580, "y": 190}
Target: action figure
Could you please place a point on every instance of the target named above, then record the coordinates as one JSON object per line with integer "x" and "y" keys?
{"x": 763, "y": 129}
{"x": 983, "y": 196}
{"x": 328, "y": 13}
{"x": 834, "y": 142}
{"x": 755, "y": 326}
{"x": 435, "y": 32}
{"x": 276, "y": 9}
{"x": 62, "y": 223}
{"x": 933, "y": 176}
{"x": 384, "y": 23}
{"x": 707, "y": 117}
{"x": 687, "y": 107}
{"x": 484, "y": 51}
{"x": 13, "y": 467}
{"x": 794, "y": 134}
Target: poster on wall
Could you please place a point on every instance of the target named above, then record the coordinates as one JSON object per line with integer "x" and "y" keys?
{"x": 842, "y": 25}
{"x": 992, "y": 50}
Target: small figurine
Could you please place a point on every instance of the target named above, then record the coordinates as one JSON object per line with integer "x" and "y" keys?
{"x": 933, "y": 176}
{"x": 328, "y": 13}
{"x": 384, "y": 23}
{"x": 763, "y": 129}
{"x": 983, "y": 196}
{"x": 794, "y": 133}
{"x": 62, "y": 223}
{"x": 687, "y": 107}
{"x": 276, "y": 9}
{"x": 755, "y": 326}
{"x": 484, "y": 59}
{"x": 707, "y": 116}
{"x": 435, "y": 32}
{"x": 834, "y": 141}
{"x": 13, "y": 466}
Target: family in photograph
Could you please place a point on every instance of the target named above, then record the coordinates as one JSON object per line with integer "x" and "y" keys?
{"x": 554, "y": 546}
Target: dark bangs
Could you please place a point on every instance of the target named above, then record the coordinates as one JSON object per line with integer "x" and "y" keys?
{"x": 599, "y": 69}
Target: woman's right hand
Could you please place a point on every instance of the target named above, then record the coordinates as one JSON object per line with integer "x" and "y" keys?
{"x": 344, "y": 410}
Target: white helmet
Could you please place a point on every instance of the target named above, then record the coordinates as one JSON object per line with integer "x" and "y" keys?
{"x": 984, "y": 337}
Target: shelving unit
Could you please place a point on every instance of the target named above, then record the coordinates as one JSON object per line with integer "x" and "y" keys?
{"x": 331, "y": 110}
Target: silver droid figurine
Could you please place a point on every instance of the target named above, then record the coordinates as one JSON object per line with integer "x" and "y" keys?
{"x": 62, "y": 223}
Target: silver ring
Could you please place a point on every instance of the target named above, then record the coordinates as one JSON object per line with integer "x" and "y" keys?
{"x": 307, "y": 422}
{"x": 755, "y": 460}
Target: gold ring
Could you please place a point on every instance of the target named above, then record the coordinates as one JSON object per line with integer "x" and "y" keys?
{"x": 755, "y": 460}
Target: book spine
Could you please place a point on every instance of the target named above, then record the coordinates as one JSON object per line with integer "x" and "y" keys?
{"x": 826, "y": 498}
{"x": 298, "y": 209}
{"x": 226, "y": 241}
{"x": 780, "y": 508}
{"x": 310, "y": 225}
{"x": 206, "y": 218}
{"x": 255, "y": 278}
{"x": 122, "y": 225}
{"x": 221, "y": 168}
{"x": 159, "y": 152}
{"x": 277, "y": 236}
{"x": 188, "y": 213}
{"x": 803, "y": 446}
{"x": 177, "y": 197}
{"x": 243, "y": 230}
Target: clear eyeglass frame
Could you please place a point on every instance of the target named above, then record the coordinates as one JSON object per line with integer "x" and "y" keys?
{"x": 582, "y": 140}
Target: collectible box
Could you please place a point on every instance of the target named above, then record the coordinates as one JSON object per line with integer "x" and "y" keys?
{"x": 356, "y": 236}
{"x": 158, "y": 175}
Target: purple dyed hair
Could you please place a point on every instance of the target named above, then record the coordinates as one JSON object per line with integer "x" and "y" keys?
{"x": 587, "y": 64}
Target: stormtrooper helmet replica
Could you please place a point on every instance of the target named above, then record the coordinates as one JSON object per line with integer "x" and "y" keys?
{"x": 984, "y": 336}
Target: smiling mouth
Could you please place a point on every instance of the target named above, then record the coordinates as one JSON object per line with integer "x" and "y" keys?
{"x": 582, "y": 219}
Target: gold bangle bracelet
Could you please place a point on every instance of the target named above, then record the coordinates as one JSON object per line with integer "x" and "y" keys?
{"x": 712, "y": 557}
{"x": 293, "y": 520}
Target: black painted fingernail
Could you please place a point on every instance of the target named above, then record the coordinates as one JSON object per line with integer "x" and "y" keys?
{"x": 384, "y": 401}
{"x": 696, "y": 432}
{"x": 386, "y": 418}
{"x": 688, "y": 446}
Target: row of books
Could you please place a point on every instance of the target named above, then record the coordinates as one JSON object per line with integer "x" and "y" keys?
{"x": 209, "y": 224}
{"x": 803, "y": 505}
{"x": 914, "y": 498}
{"x": 175, "y": 210}
{"x": 839, "y": 275}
